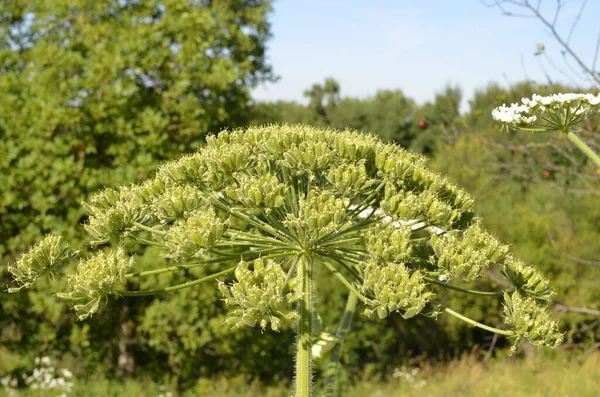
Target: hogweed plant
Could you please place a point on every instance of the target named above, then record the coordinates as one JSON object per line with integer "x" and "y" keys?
{"x": 276, "y": 205}
{"x": 560, "y": 113}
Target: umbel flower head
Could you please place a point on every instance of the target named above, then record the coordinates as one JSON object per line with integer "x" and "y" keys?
{"x": 558, "y": 112}
{"x": 277, "y": 206}
{"x": 43, "y": 258}
{"x": 95, "y": 279}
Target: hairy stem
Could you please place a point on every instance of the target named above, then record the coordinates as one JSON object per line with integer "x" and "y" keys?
{"x": 332, "y": 371}
{"x": 305, "y": 313}
{"x": 584, "y": 148}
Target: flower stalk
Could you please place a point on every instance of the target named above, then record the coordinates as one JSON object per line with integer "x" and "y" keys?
{"x": 305, "y": 318}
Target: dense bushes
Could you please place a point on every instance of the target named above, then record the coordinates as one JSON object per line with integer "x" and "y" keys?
{"x": 96, "y": 94}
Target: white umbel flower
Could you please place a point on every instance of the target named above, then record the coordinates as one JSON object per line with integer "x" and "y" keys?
{"x": 557, "y": 112}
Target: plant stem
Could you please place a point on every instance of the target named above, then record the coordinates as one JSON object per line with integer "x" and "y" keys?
{"x": 348, "y": 284}
{"x": 584, "y": 148}
{"x": 304, "y": 343}
{"x": 332, "y": 372}
{"x": 463, "y": 290}
{"x": 175, "y": 287}
{"x": 473, "y": 322}
{"x": 149, "y": 229}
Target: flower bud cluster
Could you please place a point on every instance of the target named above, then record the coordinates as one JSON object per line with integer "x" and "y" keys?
{"x": 388, "y": 243}
{"x": 395, "y": 288}
{"x": 264, "y": 191}
{"x": 188, "y": 169}
{"x": 352, "y": 146}
{"x": 222, "y": 162}
{"x": 308, "y": 156}
{"x": 270, "y": 138}
{"x": 466, "y": 253}
{"x": 409, "y": 172}
{"x": 44, "y": 257}
{"x": 530, "y": 321}
{"x": 95, "y": 279}
{"x": 397, "y": 163}
{"x": 426, "y": 205}
{"x": 321, "y": 213}
{"x": 114, "y": 212}
{"x": 261, "y": 296}
{"x": 350, "y": 179}
{"x": 191, "y": 238}
{"x": 177, "y": 202}
{"x": 527, "y": 280}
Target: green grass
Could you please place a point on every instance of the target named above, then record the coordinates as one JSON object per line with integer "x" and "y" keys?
{"x": 557, "y": 375}
{"x": 553, "y": 374}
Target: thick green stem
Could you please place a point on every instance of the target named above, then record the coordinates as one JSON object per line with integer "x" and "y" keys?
{"x": 305, "y": 314}
{"x": 332, "y": 372}
{"x": 584, "y": 148}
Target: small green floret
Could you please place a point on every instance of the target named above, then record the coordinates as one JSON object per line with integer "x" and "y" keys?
{"x": 191, "y": 238}
{"x": 466, "y": 253}
{"x": 527, "y": 280}
{"x": 320, "y": 213}
{"x": 260, "y": 296}
{"x": 530, "y": 321}
{"x": 95, "y": 279}
{"x": 350, "y": 179}
{"x": 389, "y": 243}
{"x": 43, "y": 258}
{"x": 113, "y": 214}
{"x": 258, "y": 192}
{"x": 395, "y": 288}
{"x": 177, "y": 202}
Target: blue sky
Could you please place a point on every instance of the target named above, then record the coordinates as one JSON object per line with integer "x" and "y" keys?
{"x": 417, "y": 46}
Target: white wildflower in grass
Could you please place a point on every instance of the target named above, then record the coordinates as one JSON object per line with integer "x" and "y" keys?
{"x": 47, "y": 377}
{"x": 278, "y": 206}
{"x": 560, "y": 113}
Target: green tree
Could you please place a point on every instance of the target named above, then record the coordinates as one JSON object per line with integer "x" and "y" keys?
{"x": 323, "y": 99}
{"x": 95, "y": 94}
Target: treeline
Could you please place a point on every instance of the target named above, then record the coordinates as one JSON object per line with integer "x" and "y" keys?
{"x": 98, "y": 93}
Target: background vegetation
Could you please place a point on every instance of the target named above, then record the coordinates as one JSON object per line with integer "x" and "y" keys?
{"x": 97, "y": 93}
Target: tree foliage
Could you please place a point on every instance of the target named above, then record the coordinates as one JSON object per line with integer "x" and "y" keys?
{"x": 95, "y": 94}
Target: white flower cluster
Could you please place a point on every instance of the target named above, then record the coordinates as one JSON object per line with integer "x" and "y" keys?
{"x": 570, "y": 98}
{"x": 9, "y": 384}
{"x": 43, "y": 377}
{"x": 409, "y": 375}
{"x": 524, "y": 113}
{"x": 514, "y": 113}
{"x": 164, "y": 393}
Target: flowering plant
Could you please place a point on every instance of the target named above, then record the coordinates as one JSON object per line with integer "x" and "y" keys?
{"x": 554, "y": 113}
{"x": 277, "y": 206}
